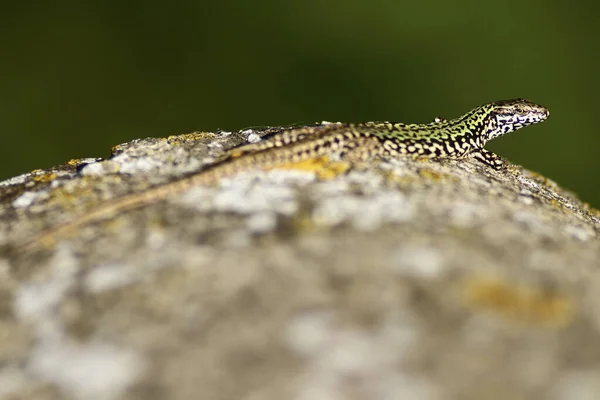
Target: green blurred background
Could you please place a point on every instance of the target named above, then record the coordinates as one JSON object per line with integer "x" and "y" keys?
{"x": 78, "y": 77}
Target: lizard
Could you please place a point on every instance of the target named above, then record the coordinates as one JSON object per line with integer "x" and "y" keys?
{"x": 456, "y": 139}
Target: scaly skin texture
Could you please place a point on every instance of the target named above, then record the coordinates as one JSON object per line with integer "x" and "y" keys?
{"x": 457, "y": 138}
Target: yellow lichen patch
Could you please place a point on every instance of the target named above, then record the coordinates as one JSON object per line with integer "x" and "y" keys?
{"x": 402, "y": 180}
{"x": 543, "y": 181}
{"x": 76, "y": 162}
{"x": 433, "y": 175}
{"x": 45, "y": 177}
{"x": 557, "y": 204}
{"x": 550, "y": 184}
{"x": 304, "y": 223}
{"x": 325, "y": 169}
{"x": 524, "y": 304}
{"x": 84, "y": 193}
{"x": 589, "y": 208}
{"x": 63, "y": 197}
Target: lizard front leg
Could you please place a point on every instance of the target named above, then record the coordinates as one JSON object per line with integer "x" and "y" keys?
{"x": 488, "y": 158}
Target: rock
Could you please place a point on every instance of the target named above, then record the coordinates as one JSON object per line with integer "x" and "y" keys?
{"x": 401, "y": 279}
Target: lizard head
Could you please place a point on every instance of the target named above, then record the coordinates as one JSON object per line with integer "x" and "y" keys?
{"x": 507, "y": 116}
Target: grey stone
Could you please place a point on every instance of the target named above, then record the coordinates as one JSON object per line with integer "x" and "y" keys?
{"x": 401, "y": 279}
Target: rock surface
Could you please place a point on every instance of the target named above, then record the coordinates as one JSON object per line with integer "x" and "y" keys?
{"x": 404, "y": 279}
